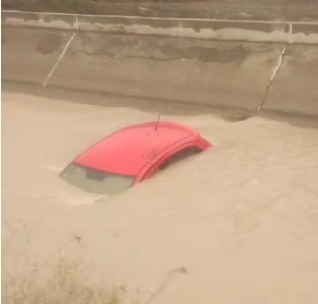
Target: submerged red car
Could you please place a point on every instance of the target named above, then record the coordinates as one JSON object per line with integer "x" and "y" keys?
{"x": 131, "y": 155}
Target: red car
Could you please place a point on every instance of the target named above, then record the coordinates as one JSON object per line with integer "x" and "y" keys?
{"x": 131, "y": 155}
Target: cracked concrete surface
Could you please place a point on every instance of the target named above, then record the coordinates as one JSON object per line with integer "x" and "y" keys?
{"x": 214, "y": 73}
{"x": 64, "y": 50}
{"x": 269, "y": 85}
{"x": 295, "y": 87}
{"x": 174, "y": 69}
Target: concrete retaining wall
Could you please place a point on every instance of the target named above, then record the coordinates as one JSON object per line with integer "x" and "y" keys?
{"x": 224, "y": 30}
{"x": 193, "y": 71}
{"x": 218, "y": 73}
{"x": 294, "y": 89}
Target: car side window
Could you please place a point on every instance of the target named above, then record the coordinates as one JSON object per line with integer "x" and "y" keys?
{"x": 179, "y": 156}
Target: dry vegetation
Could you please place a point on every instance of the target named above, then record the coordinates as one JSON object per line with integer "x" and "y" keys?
{"x": 59, "y": 279}
{"x": 66, "y": 284}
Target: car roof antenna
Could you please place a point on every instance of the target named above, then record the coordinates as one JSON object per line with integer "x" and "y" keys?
{"x": 157, "y": 124}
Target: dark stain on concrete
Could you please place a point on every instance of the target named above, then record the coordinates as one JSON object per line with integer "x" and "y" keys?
{"x": 69, "y": 19}
{"x": 306, "y": 29}
{"x": 255, "y": 26}
{"x": 28, "y": 17}
{"x": 196, "y": 25}
{"x": 157, "y": 23}
{"x": 49, "y": 42}
{"x": 208, "y": 54}
{"x": 158, "y": 49}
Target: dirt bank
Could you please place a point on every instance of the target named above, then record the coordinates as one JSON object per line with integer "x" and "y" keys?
{"x": 225, "y": 9}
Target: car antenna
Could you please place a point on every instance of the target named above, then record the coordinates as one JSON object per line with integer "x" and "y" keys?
{"x": 157, "y": 124}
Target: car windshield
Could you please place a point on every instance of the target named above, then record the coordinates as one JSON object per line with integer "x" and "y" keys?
{"x": 96, "y": 181}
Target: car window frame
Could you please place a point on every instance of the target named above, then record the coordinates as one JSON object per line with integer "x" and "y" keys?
{"x": 152, "y": 167}
{"x": 169, "y": 161}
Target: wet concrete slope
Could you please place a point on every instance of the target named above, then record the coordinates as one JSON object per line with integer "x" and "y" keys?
{"x": 294, "y": 88}
{"x": 168, "y": 68}
{"x": 218, "y": 73}
{"x": 28, "y": 56}
{"x": 231, "y": 74}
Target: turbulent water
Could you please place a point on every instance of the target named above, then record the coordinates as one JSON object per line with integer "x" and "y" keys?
{"x": 242, "y": 218}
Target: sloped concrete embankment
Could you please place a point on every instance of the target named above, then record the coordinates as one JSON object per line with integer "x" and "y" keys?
{"x": 233, "y": 74}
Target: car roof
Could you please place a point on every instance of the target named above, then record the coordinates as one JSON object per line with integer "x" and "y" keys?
{"x": 128, "y": 150}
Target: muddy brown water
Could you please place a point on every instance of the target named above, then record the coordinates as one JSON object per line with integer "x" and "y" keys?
{"x": 241, "y": 219}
